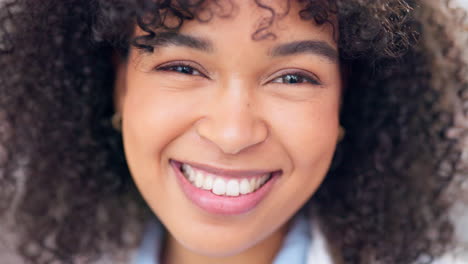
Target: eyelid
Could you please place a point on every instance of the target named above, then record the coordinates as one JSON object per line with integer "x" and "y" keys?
{"x": 299, "y": 72}
{"x": 191, "y": 64}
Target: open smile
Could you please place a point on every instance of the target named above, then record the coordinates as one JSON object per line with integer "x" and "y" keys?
{"x": 221, "y": 191}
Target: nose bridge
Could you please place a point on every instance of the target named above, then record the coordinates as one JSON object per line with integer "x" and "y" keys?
{"x": 232, "y": 122}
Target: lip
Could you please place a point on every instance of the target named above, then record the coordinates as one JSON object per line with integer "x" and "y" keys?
{"x": 224, "y": 205}
{"x": 227, "y": 172}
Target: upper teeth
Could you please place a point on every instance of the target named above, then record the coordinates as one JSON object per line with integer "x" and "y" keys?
{"x": 221, "y": 186}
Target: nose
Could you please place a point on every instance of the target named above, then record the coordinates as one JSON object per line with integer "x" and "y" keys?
{"x": 232, "y": 123}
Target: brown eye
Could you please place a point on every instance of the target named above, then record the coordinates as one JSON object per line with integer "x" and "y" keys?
{"x": 295, "y": 78}
{"x": 188, "y": 68}
{"x": 184, "y": 69}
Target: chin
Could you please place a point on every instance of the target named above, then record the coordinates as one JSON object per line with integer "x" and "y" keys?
{"x": 215, "y": 246}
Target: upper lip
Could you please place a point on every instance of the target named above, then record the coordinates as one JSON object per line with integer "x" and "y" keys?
{"x": 226, "y": 171}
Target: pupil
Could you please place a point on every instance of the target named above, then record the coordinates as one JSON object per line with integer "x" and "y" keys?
{"x": 184, "y": 69}
{"x": 292, "y": 79}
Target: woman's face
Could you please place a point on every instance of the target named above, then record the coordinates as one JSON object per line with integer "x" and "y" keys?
{"x": 238, "y": 112}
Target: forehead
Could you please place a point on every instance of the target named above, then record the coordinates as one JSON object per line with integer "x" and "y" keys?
{"x": 266, "y": 20}
{"x": 279, "y": 18}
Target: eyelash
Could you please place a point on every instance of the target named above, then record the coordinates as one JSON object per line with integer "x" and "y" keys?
{"x": 178, "y": 65}
{"x": 306, "y": 78}
{"x": 178, "y": 68}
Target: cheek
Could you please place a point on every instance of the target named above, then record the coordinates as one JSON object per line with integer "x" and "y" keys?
{"x": 308, "y": 130}
{"x": 152, "y": 119}
{"x": 153, "y": 116}
{"x": 146, "y": 125}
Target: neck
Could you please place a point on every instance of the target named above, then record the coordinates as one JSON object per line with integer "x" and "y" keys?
{"x": 262, "y": 253}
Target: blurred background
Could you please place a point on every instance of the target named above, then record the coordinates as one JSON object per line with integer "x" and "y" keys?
{"x": 460, "y": 210}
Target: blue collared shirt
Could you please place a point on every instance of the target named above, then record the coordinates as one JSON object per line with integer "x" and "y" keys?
{"x": 293, "y": 251}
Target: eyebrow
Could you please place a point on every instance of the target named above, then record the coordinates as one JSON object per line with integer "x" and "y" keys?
{"x": 316, "y": 47}
{"x": 165, "y": 39}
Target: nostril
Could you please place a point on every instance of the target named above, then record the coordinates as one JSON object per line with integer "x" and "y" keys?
{"x": 232, "y": 141}
{"x": 232, "y": 129}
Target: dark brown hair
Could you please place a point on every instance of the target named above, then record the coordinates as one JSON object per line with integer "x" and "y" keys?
{"x": 62, "y": 167}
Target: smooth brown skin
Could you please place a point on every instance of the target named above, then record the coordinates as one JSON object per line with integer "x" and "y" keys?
{"x": 236, "y": 114}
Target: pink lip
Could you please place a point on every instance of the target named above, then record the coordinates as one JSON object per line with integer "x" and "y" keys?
{"x": 223, "y": 205}
{"x": 228, "y": 172}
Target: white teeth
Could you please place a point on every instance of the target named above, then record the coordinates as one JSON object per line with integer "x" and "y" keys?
{"x": 244, "y": 187}
{"x": 263, "y": 179}
{"x": 189, "y": 171}
{"x": 257, "y": 183}
{"x": 208, "y": 183}
{"x": 252, "y": 184}
{"x": 232, "y": 188}
{"x": 220, "y": 186}
{"x": 199, "y": 179}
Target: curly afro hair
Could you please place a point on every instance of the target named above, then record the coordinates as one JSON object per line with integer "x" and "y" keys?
{"x": 63, "y": 175}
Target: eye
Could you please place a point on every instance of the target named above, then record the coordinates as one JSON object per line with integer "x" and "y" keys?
{"x": 180, "y": 67}
{"x": 296, "y": 78}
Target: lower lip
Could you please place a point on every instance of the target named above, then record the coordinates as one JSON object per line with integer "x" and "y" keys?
{"x": 222, "y": 205}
